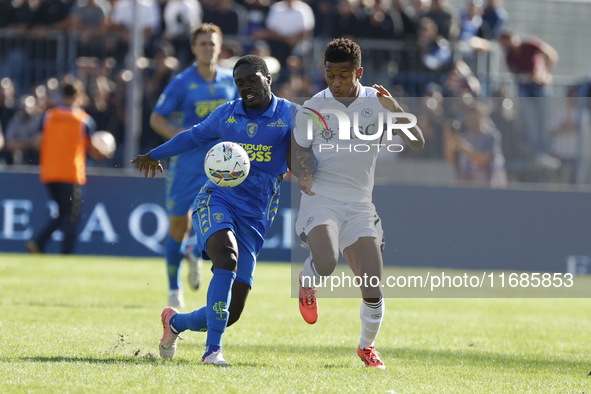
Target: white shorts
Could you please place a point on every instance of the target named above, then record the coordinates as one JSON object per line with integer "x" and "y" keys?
{"x": 351, "y": 220}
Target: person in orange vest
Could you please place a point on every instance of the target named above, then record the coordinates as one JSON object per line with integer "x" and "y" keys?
{"x": 64, "y": 143}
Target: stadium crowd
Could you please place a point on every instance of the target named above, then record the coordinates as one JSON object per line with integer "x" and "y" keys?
{"x": 428, "y": 50}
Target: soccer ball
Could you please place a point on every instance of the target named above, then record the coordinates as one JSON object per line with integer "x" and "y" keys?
{"x": 105, "y": 143}
{"x": 227, "y": 164}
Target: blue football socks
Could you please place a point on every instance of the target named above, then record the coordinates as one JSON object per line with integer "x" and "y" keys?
{"x": 174, "y": 257}
{"x": 219, "y": 295}
{"x": 212, "y": 318}
{"x": 194, "y": 321}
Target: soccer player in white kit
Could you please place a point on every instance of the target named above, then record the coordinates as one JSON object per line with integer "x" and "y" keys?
{"x": 335, "y": 171}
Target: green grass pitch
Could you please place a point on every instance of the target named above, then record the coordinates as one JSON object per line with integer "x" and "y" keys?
{"x": 91, "y": 324}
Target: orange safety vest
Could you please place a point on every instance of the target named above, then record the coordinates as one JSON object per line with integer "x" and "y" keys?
{"x": 63, "y": 146}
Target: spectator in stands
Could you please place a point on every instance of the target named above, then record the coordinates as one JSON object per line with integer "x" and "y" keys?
{"x": 444, "y": 17}
{"x": 434, "y": 49}
{"x": 14, "y": 65}
{"x": 228, "y": 15}
{"x": 424, "y": 60}
{"x": 180, "y": 17}
{"x": 1, "y": 143}
{"x": 417, "y": 9}
{"x": 116, "y": 106}
{"x": 380, "y": 24}
{"x": 95, "y": 75}
{"x": 297, "y": 78}
{"x": 7, "y": 109}
{"x": 325, "y": 11}
{"x": 572, "y": 121}
{"x": 494, "y": 19}
{"x": 256, "y": 11}
{"x": 289, "y": 26}
{"x": 404, "y": 26}
{"x": 433, "y": 57}
{"x": 471, "y": 25}
{"x": 347, "y": 19}
{"x": 531, "y": 61}
{"x": 461, "y": 81}
{"x": 7, "y": 101}
{"x": 88, "y": 19}
{"x": 262, "y": 49}
{"x": 122, "y": 23}
{"x": 159, "y": 73}
{"x": 23, "y": 17}
{"x": 431, "y": 117}
{"x": 51, "y": 15}
{"x": 22, "y": 132}
{"x": 47, "y": 18}
{"x": 504, "y": 117}
{"x": 6, "y": 13}
{"x": 473, "y": 147}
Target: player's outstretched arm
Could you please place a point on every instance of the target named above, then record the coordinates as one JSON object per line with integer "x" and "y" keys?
{"x": 392, "y": 105}
{"x": 147, "y": 164}
{"x": 303, "y": 166}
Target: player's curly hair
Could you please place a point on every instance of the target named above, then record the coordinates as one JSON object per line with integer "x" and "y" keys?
{"x": 206, "y": 28}
{"x": 343, "y": 50}
{"x": 257, "y": 61}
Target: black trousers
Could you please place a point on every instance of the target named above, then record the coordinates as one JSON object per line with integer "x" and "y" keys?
{"x": 68, "y": 198}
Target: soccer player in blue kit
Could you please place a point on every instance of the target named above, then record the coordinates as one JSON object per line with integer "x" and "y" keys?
{"x": 187, "y": 100}
{"x": 230, "y": 223}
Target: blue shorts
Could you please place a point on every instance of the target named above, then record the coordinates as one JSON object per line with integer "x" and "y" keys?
{"x": 181, "y": 189}
{"x": 211, "y": 214}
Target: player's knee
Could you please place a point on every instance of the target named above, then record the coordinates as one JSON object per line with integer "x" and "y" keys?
{"x": 325, "y": 265}
{"x": 226, "y": 261}
{"x": 324, "y": 271}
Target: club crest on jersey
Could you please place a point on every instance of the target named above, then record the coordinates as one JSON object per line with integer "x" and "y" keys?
{"x": 218, "y": 217}
{"x": 367, "y": 112}
{"x": 251, "y": 129}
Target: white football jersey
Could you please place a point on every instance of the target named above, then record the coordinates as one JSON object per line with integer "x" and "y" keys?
{"x": 346, "y": 158}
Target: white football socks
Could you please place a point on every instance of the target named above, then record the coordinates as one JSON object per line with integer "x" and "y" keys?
{"x": 371, "y": 320}
{"x": 310, "y": 277}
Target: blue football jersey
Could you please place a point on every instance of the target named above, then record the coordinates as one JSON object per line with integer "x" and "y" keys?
{"x": 266, "y": 139}
{"x": 186, "y": 101}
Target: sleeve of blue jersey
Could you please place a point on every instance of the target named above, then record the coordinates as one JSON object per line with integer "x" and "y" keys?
{"x": 200, "y": 134}
{"x": 180, "y": 143}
